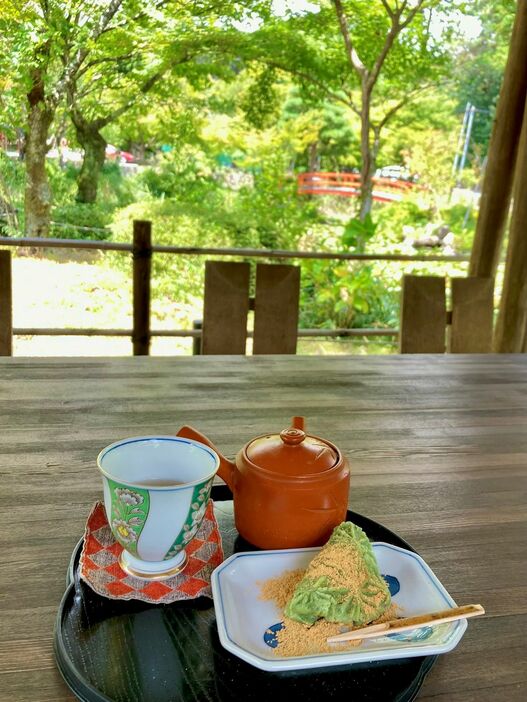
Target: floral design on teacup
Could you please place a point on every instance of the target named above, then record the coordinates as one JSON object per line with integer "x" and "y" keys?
{"x": 189, "y": 534}
{"x": 126, "y": 534}
{"x": 198, "y": 507}
{"x": 129, "y": 513}
{"x": 129, "y": 497}
{"x": 199, "y": 512}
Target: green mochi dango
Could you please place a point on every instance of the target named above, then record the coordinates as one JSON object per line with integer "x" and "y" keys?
{"x": 328, "y": 592}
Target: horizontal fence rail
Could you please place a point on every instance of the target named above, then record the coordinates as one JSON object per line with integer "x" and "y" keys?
{"x": 195, "y": 333}
{"x": 142, "y": 250}
{"x": 213, "y": 251}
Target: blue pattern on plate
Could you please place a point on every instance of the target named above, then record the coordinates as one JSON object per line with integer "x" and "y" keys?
{"x": 270, "y": 634}
{"x": 393, "y": 584}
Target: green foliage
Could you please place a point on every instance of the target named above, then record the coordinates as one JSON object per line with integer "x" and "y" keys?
{"x": 357, "y": 234}
{"x": 12, "y": 175}
{"x": 392, "y": 218}
{"x": 332, "y": 131}
{"x": 479, "y": 84}
{"x": 260, "y": 103}
{"x": 461, "y": 219}
{"x": 93, "y": 219}
{"x": 479, "y": 69}
{"x": 116, "y": 191}
{"x": 341, "y": 295}
{"x": 185, "y": 173}
{"x": 271, "y": 210}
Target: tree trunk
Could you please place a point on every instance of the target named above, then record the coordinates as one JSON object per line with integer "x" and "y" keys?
{"x": 368, "y": 160}
{"x": 312, "y": 155}
{"x": 94, "y": 145}
{"x": 512, "y": 320}
{"x": 497, "y": 184}
{"x": 37, "y": 193}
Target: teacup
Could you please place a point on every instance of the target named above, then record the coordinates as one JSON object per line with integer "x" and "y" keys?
{"x": 156, "y": 490}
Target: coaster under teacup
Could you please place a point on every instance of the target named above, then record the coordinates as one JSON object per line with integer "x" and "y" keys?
{"x": 100, "y": 569}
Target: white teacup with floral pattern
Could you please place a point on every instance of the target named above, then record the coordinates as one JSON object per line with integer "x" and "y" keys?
{"x": 156, "y": 490}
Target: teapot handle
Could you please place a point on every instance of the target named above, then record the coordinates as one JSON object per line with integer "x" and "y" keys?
{"x": 227, "y": 468}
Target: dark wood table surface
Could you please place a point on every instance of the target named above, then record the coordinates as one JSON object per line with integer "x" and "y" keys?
{"x": 437, "y": 444}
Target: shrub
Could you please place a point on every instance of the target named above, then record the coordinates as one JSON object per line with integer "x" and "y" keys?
{"x": 94, "y": 217}
{"x": 392, "y": 218}
{"x": 461, "y": 219}
{"x": 184, "y": 174}
{"x": 341, "y": 294}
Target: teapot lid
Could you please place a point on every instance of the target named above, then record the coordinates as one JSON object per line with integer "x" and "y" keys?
{"x": 292, "y": 452}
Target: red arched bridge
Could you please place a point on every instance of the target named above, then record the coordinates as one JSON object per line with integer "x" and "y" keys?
{"x": 348, "y": 185}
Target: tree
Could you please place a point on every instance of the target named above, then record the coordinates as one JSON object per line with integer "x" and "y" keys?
{"x": 374, "y": 57}
{"x": 334, "y": 141}
{"x": 52, "y": 45}
{"x": 123, "y": 72}
{"x": 49, "y": 42}
{"x": 88, "y": 132}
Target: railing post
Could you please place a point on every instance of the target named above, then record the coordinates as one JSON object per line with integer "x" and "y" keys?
{"x": 196, "y": 340}
{"x": 142, "y": 261}
{"x": 6, "y": 305}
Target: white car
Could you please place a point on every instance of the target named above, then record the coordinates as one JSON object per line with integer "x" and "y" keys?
{"x": 394, "y": 172}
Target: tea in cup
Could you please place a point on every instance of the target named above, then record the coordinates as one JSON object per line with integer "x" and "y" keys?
{"x": 156, "y": 490}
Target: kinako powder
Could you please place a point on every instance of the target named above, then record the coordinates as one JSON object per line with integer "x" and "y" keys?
{"x": 358, "y": 596}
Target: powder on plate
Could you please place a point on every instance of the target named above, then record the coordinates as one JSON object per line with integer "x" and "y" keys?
{"x": 281, "y": 589}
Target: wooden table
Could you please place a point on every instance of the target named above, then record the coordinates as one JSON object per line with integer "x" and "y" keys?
{"x": 438, "y": 447}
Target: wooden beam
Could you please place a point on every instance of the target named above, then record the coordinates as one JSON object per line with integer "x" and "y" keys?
{"x": 512, "y": 319}
{"x": 213, "y": 251}
{"x": 142, "y": 263}
{"x": 276, "y": 309}
{"x": 472, "y": 315}
{"x": 225, "y": 307}
{"x": 6, "y": 305}
{"x": 423, "y": 314}
{"x": 194, "y": 333}
{"x": 497, "y": 184}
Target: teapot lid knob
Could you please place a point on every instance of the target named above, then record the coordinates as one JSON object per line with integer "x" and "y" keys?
{"x": 295, "y": 434}
{"x": 292, "y": 436}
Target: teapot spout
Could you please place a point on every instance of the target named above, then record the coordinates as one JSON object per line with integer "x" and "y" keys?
{"x": 227, "y": 468}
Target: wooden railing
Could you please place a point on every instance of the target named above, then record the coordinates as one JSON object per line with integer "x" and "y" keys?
{"x": 142, "y": 250}
{"x": 349, "y": 184}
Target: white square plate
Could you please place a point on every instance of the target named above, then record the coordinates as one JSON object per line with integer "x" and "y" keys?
{"x": 243, "y": 618}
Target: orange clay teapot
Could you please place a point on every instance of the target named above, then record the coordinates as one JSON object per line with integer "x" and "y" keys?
{"x": 290, "y": 489}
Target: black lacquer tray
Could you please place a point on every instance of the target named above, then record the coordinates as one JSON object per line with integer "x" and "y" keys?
{"x": 130, "y": 651}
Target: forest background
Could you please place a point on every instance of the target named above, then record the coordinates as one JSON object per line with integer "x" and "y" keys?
{"x": 199, "y": 116}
